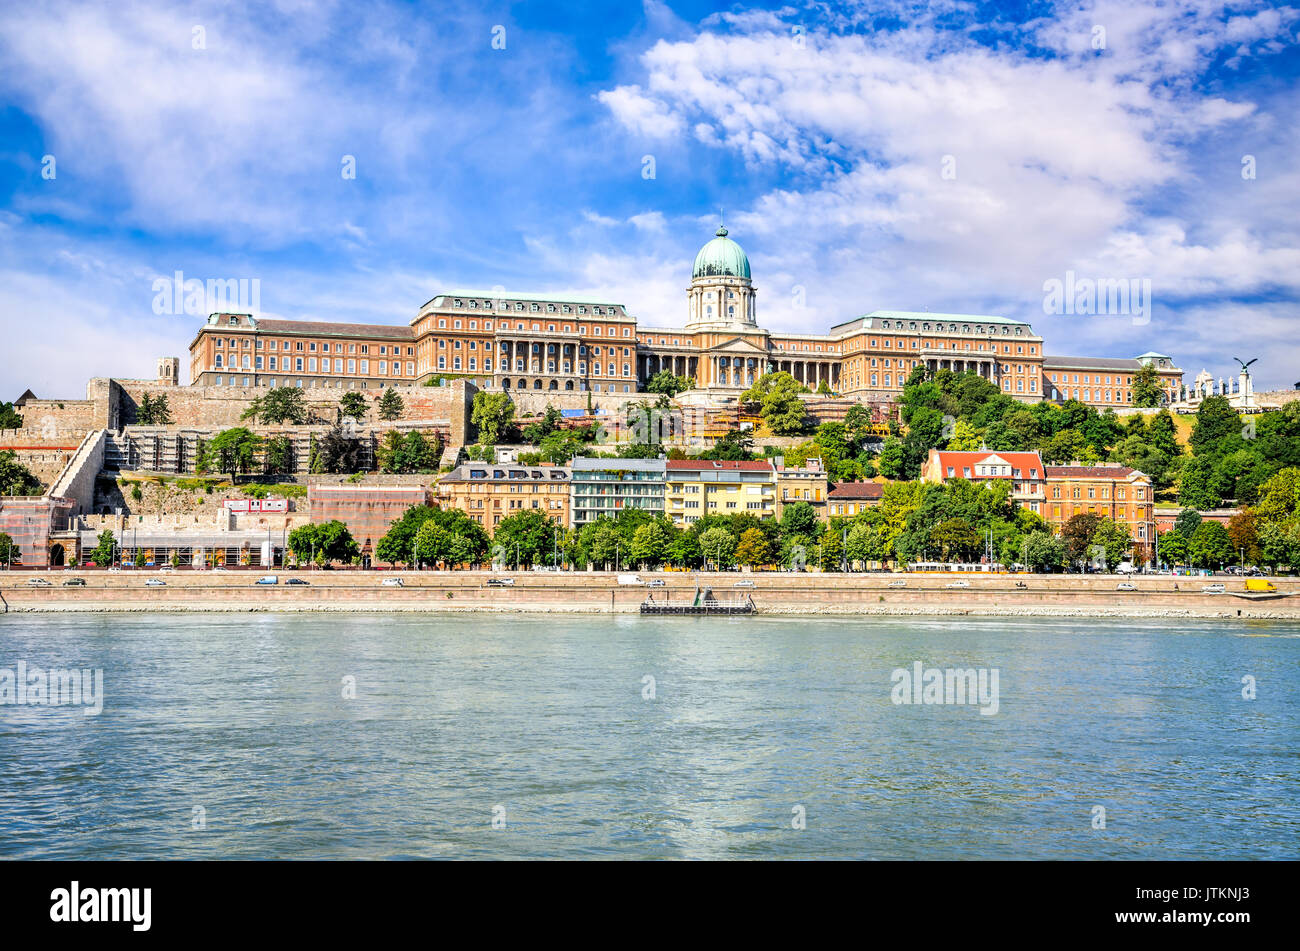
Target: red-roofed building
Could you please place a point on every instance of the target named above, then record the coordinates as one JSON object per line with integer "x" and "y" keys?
{"x": 1024, "y": 470}
{"x": 853, "y": 498}
{"x": 697, "y": 487}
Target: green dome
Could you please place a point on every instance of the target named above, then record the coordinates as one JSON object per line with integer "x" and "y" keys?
{"x": 721, "y": 257}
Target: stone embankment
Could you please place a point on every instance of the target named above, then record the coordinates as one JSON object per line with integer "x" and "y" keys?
{"x": 600, "y": 592}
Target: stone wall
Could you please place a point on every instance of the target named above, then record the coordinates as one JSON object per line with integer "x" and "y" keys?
{"x": 188, "y": 505}
{"x": 1280, "y": 397}
{"x": 48, "y": 415}
{"x": 77, "y": 481}
{"x": 534, "y": 402}
{"x": 114, "y": 404}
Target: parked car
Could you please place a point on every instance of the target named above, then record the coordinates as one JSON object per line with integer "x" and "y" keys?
{"x": 896, "y": 584}
{"x": 166, "y": 568}
{"x": 656, "y": 583}
{"x": 74, "y": 582}
{"x": 155, "y": 583}
{"x": 392, "y": 583}
{"x": 959, "y": 583}
{"x": 114, "y": 568}
{"x": 297, "y": 581}
{"x": 498, "y": 582}
{"x": 1126, "y": 586}
{"x": 1216, "y": 588}
{"x": 38, "y": 582}
{"x": 743, "y": 584}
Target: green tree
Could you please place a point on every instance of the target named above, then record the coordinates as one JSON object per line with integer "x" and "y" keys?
{"x": 391, "y": 405}
{"x": 16, "y": 478}
{"x": 753, "y": 549}
{"x": 683, "y": 550}
{"x": 9, "y": 417}
{"x": 338, "y": 452}
{"x": 1147, "y": 390}
{"x": 1113, "y": 540}
{"x": 433, "y": 543}
{"x": 649, "y": 545}
{"x": 1043, "y": 551}
{"x": 353, "y": 404}
{"x": 1210, "y": 545}
{"x": 395, "y": 547}
{"x": 492, "y": 415}
{"x": 665, "y": 383}
{"x": 893, "y": 460}
{"x": 278, "y": 405}
{"x": 956, "y": 540}
{"x": 1172, "y": 546}
{"x": 864, "y": 544}
{"x": 718, "y": 546}
{"x": 831, "y": 545}
{"x": 777, "y": 395}
{"x": 8, "y": 550}
{"x": 525, "y": 538}
{"x": 153, "y": 412}
{"x": 232, "y": 451}
{"x": 1217, "y": 428}
{"x": 105, "y": 545}
{"x": 1198, "y": 484}
{"x": 798, "y": 518}
{"x": 326, "y": 541}
{"x": 278, "y": 455}
{"x": 1077, "y": 535}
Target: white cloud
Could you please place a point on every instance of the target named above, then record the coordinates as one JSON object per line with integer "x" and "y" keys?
{"x": 1109, "y": 161}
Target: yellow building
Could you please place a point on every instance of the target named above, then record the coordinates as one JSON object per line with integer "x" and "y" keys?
{"x": 488, "y": 492}
{"x": 713, "y": 487}
{"x": 805, "y": 483}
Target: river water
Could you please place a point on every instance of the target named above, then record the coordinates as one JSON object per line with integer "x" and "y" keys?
{"x": 549, "y": 736}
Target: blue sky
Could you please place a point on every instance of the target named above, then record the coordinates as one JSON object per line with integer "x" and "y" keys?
{"x": 950, "y": 157}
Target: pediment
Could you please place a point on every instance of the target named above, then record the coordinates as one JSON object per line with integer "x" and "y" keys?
{"x": 738, "y": 345}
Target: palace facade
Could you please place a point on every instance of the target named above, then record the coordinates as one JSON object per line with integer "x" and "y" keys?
{"x": 567, "y": 343}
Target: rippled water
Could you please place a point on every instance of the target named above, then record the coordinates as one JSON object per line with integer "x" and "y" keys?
{"x": 544, "y": 717}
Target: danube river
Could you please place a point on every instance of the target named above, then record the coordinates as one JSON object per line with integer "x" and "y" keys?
{"x": 547, "y": 736}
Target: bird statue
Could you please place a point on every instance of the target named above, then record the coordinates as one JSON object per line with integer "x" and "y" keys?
{"x": 1244, "y": 365}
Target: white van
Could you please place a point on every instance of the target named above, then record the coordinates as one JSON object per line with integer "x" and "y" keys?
{"x": 1126, "y": 568}
{"x": 630, "y": 579}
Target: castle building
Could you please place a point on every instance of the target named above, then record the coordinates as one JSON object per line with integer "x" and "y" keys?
{"x": 566, "y": 343}
{"x": 1102, "y": 381}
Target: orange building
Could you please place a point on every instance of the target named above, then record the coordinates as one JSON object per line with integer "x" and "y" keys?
{"x": 1107, "y": 489}
{"x": 805, "y": 483}
{"x": 1102, "y": 381}
{"x": 241, "y": 350}
{"x": 488, "y": 492}
{"x": 854, "y": 498}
